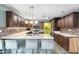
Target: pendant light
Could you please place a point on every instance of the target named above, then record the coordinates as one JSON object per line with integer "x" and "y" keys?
{"x": 31, "y": 14}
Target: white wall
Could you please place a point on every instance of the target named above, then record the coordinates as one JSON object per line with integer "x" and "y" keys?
{"x": 2, "y": 19}
{"x": 3, "y": 16}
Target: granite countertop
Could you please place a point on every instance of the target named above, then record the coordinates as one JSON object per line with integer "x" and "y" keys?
{"x": 24, "y": 35}
{"x": 66, "y": 34}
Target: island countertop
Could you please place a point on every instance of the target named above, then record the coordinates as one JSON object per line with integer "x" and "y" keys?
{"x": 24, "y": 35}
{"x": 66, "y": 34}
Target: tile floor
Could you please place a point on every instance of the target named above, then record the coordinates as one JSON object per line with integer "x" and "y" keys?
{"x": 59, "y": 50}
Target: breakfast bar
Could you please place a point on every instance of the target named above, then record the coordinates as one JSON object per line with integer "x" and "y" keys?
{"x": 31, "y": 41}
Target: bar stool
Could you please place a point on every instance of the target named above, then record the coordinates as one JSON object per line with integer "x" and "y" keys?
{"x": 1, "y": 46}
{"x": 21, "y": 46}
{"x": 11, "y": 45}
{"x": 31, "y": 46}
{"x": 47, "y": 46}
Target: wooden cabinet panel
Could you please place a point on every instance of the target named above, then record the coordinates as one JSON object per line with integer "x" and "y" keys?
{"x": 70, "y": 44}
{"x": 66, "y": 25}
{"x": 67, "y": 21}
{"x": 61, "y": 23}
{"x": 14, "y": 20}
{"x": 58, "y": 23}
{"x": 62, "y": 41}
{"x": 65, "y": 43}
{"x": 70, "y": 21}
{"x": 73, "y": 44}
{"x": 64, "y": 22}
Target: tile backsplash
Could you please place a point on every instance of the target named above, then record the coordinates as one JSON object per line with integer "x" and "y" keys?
{"x": 10, "y": 30}
{"x": 71, "y": 31}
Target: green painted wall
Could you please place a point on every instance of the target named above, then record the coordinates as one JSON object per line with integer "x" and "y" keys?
{"x": 47, "y": 28}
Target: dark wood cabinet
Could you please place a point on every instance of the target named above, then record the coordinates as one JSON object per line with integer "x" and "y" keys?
{"x": 62, "y": 23}
{"x": 70, "y": 44}
{"x": 69, "y": 21}
{"x": 13, "y": 20}
{"x": 66, "y": 25}
{"x": 62, "y": 41}
{"x": 9, "y": 19}
{"x": 73, "y": 20}
{"x": 58, "y": 23}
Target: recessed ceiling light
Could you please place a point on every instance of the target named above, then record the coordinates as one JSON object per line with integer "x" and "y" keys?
{"x": 26, "y": 22}
{"x": 36, "y": 22}
{"x": 31, "y": 22}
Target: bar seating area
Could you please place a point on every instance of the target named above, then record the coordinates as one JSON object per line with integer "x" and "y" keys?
{"x": 28, "y": 44}
{"x": 31, "y": 46}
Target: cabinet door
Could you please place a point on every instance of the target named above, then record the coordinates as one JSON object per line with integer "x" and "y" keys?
{"x": 66, "y": 22}
{"x": 9, "y": 19}
{"x": 62, "y": 23}
{"x": 65, "y": 43}
{"x": 19, "y": 21}
{"x": 62, "y": 41}
{"x": 15, "y": 18}
{"x": 70, "y": 21}
{"x": 57, "y": 38}
{"x": 58, "y": 23}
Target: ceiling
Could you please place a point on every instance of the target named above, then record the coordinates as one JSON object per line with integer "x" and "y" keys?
{"x": 41, "y": 10}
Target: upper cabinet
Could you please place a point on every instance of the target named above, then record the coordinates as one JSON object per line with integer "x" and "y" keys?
{"x": 69, "y": 21}
{"x": 58, "y": 23}
{"x": 62, "y": 22}
{"x": 13, "y": 20}
{"x": 66, "y": 21}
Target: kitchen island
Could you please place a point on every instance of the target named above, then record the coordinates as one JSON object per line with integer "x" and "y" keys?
{"x": 24, "y": 36}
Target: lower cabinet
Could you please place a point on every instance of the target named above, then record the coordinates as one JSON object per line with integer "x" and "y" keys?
{"x": 69, "y": 44}
{"x": 62, "y": 41}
